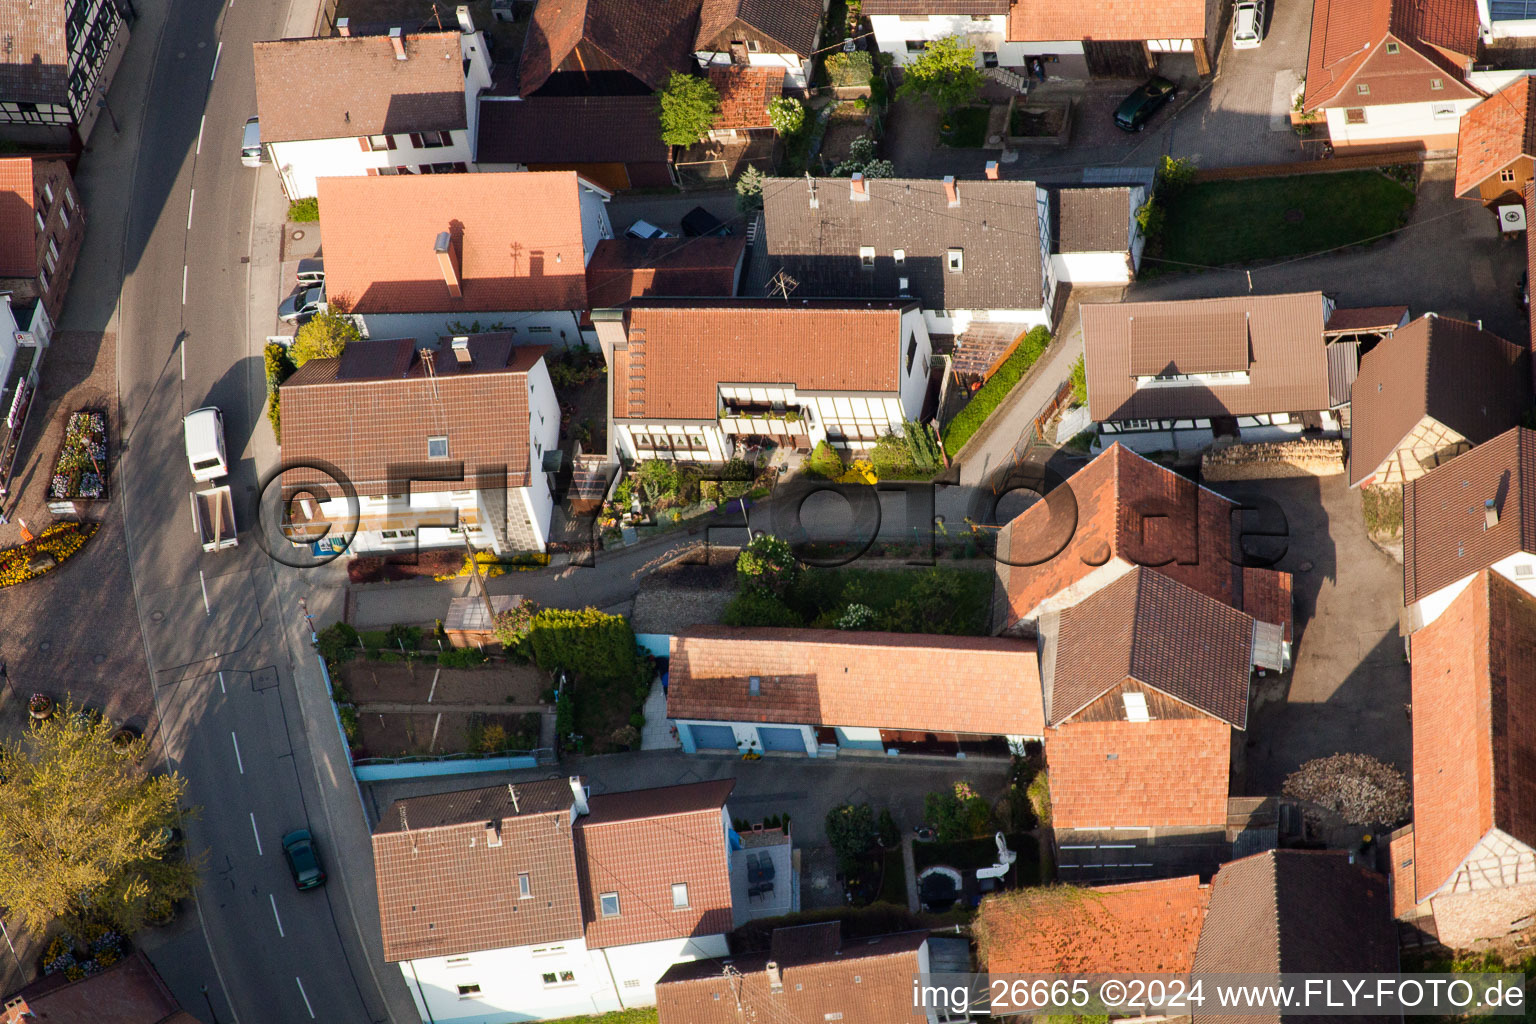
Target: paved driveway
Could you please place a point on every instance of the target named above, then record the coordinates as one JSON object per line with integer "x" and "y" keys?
{"x": 1349, "y": 687}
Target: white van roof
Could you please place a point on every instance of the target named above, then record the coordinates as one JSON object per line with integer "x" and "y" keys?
{"x": 202, "y": 429}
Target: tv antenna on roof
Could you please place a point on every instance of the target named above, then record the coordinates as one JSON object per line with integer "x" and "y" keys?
{"x": 512, "y": 792}
{"x": 782, "y": 284}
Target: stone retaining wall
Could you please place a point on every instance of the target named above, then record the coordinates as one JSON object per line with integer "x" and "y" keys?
{"x": 1272, "y": 460}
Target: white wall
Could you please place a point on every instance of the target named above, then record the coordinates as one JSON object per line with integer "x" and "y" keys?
{"x": 1431, "y": 605}
{"x": 544, "y": 435}
{"x": 1493, "y": 80}
{"x": 595, "y": 224}
{"x": 717, "y": 447}
{"x": 475, "y": 50}
{"x": 1092, "y": 267}
{"x": 635, "y": 969}
{"x": 959, "y": 319}
{"x": 557, "y": 328}
{"x": 914, "y": 378}
{"x": 986, "y": 34}
{"x": 795, "y": 73}
{"x": 511, "y": 984}
{"x": 1398, "y": 121}
{"x": 300, "y": 163}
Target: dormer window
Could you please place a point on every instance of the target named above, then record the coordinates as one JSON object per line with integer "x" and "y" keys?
{"x": 1392, "y": 47}
{"x": 867, "y": 257}
{"x": 437, "y": 447}
{"x": 608, "y": 904}
{"x": 955, "y": 260}
{"x": 1136, "y": 707}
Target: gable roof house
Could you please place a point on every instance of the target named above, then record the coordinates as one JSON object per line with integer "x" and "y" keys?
{"x": 967, "y": 251}
{"x": 1496, "y": 147}
{"x": 1470, "y": 857}
{"x": 781, "y": 35}
{"x": 1392, "y": 73}
{"x": 504, "y": 251}
{"x": 481, "y": 408}
{"x": 1098, "y": 239}
{"x": 1120, "y": 40}
{"x": 817, "y": 691}
{"x": 1476, "y": 512}
{"x": 1177, "y": 375}
{"x": 810, "y": 972}
{"x": 606, "y": 47}
{"x": 689, "y": 377}
{"x": 59, "y": 60}
{"x": 343, "y": 105}
{"x": 612, "y": 141}
{"x": 1430, "y": 392}
{"x": 42, "y": 226}
{"x": 535, "y": 900}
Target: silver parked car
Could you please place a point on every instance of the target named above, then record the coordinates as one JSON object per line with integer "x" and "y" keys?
{"x": 302, "y": 304}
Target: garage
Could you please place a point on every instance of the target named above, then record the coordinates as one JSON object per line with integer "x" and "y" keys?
{"x": 713, "y": 737}
{"x": 792, "y": 740}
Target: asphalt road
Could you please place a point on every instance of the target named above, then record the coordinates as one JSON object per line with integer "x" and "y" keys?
{"x": 223, "y": 637}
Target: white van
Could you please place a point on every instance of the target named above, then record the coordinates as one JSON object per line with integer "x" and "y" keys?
{"x": 204, "y": 430}
{"x": 1248, "y": 25}
{"x": 250, "y": 144}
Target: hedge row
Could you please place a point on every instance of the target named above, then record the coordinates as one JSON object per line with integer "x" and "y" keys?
{"x": 990, "y": 396}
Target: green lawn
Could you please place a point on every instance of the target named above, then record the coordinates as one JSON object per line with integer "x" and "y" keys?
{"x": 893, "y": 882}
{"x": 968, "y": 128}
{"x": 637, "y": 1015}
{"x": 1219, "y": 223}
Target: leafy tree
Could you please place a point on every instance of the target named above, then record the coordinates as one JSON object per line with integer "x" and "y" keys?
{"x": 84, "y": 826}
{"x": 749, "y": 190}
{"x": 688, "y": 107}
{"x": 279, "y": 368}
{"x": 324, "y": 337}
{"x": 886, "y": 834}
{"x": 787, "y": 115}
{"x": 586, "y": 641}
{"x": 850, "y": 832}
{"x": 944, "y": 73}
{"x": 1079, "y": 382}
{"x": 515, "y": 624}
{"x": 958, "y": 813}
{"x": 861, "y": 160}
{"x": 857, "y": 616}
{"x": 758, "y": 608}
{"x": 767, "y": 564}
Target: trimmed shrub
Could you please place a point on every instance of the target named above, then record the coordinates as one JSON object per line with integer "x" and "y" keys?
{"x": 766, "y": 564}
{"x": 825, "y": 461}
{"x": 757, "y": 608}
{"x": 586, "y": 641}
{"x": 997, "y": 387}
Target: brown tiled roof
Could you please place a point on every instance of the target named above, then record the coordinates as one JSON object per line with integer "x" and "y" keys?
{"x": 1463, "y": 377}
{"x": 518, "y": 236}
{"x": 1364, "y": 318}
{"x": 570, "y": 130}
{"x": 679, "y": 351}
{"x": 928, "y": 683}
{"x": 1147, "y": 628}
{"x": 1035, "y": 21}
{"x": 627, "y": 268}
{"x": 792, "y": 23}
{"x": 343, "y": 87}
{"x": 898, "y": 7}
{"x": 128, "y": 992}
{"x": 374, "y": 408}
{"x": 1530, "y": 252}
{"x": 1474, "y": 699}
{"x": 36, "y": 64}
{"x": 1444, "y": 538}
{"x": 1092, "y": 219}
{"x": 1267, "y": 597}
{"x": 745, "y": 93}
{"x": 819, "y": 247}
{"x": 18, "y": 218}
{"x": 462, "y": 806}
{"x": 1405, "y": 893}
{"x": 868, "y": 981}
{"x": 1172, "y": 772}
{"x": 1286, "y": 359}
{"x": 1137, "y": 928}
{"x": 1494, "y": 134}
{"x": 649, "y": 40}
{"x": 1297, "y": 911}
{"x": 1124, "y": 506}
{"x": 1348, "y": 47}
{"x": 443, "y": 889}
{"x": 639, "y": 845}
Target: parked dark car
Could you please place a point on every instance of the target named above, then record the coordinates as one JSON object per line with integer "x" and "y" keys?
{"x": 303, "y": 859}
{"x": 699, "y": 221}
{"x": 1149, "y": 97}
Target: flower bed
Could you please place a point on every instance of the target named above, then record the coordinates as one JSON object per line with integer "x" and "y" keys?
{"x": 97, "y": 948}
{"x": 58, "y": 542}
{"x": 81, "y": 471}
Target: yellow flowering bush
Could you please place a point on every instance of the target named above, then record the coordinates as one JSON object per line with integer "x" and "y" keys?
{"x": 492, "y": 565}
{"x": 61, "y": 540}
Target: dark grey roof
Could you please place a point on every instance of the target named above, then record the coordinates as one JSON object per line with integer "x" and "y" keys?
{"x": 570, "y": 130}
{"x": 995, "y": 224}
{"x": 1297, "y": 911}
{"x": 791, "y": 22}
{"x": 491, "y": 803}
{"x": 1092, "y": 219}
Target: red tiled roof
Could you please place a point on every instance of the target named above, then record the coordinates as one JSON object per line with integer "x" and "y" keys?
{"x": 745, "y": 93}
{"x": 928, "y": 683}
{"x": 679, "y": 352}
{"x": 1267, "y": 597}
{"x": 1137, "y": 928}
{"x": 1445, "y": 538}
{"x": 1163, "y": 773}
{"x": 1364, "y": 318}
{"x": 1124, "y": 506}
{"x": 1494, "y": 134}
{"x": 36, "y": 65}
{"x": 1349, "y": 46}
{"x": 18, "y": 224}
{"x": 866, "y": 981}
{"x": 374, "y": 408}
{"x": 647, "y": 40}
{"x": 344, "y": 87}
{"x": 1034, "y": 21}
{"x": 128, "y": 992}
{"x": 1474, "y": 705}
{"x": 639, "y": 845}
{"x": 518, "y": 236}
{"x": 626, "y": 268}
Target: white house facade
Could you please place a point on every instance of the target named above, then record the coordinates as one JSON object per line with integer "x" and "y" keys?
{"x": 905, "y": 36}
{"x": 1398, "y": 121}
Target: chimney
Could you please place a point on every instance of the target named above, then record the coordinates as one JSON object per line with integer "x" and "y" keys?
{"x": 448, "y": 262}
{"x": 775, "y": 979}
{"x": 493, "y": 833}
{"x": 991, "y": 170}
{"x": 578, "y": 795}
{"x": 858, "y": 190}
{"x": 17, "y": 1010}
{"x": 611, "y": 335}
{"x": 466, "y": 23}
{"x": 461, "y": 350}
{"x": 949, "y": 190}
{"x": 399, "y": 41}
{"x": 344, "y": 27}
{"x": 1490, "y": 515}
